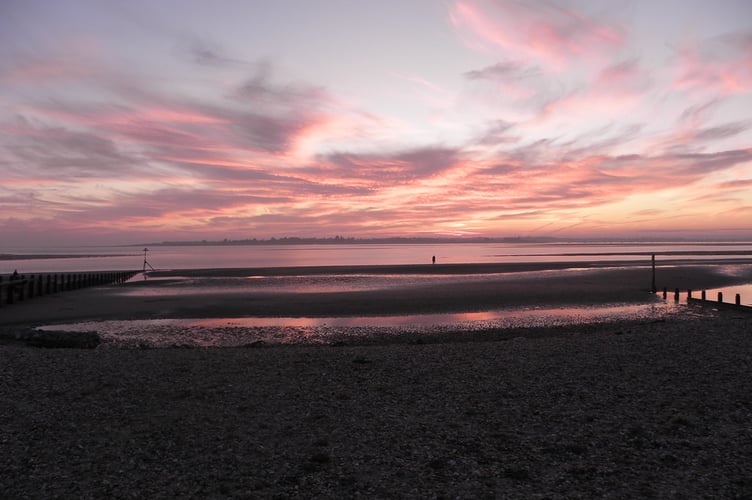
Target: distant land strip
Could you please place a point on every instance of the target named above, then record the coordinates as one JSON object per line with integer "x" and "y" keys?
{"x": 419, "y": 240}
{"x": 9, "y": 256}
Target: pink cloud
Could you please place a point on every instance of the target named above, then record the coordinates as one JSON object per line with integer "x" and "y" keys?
{"x": 539, "y": 30}
{"x": 697, "y": 129}
{"x": 615, "y": 91}
{"x": 736, "y": 184}
{"x": 626, "y": 76}
{"x": 381, "y": 169}
{"x": 591, "y": 181}
{"x": 35, "y": 71}
{"x": 722, "y": 66}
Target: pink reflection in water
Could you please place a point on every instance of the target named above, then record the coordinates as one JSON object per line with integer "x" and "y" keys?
{"x": 711, "y": 295}
{"x": 228, "y": 332}
{"x": 729, "y": 294}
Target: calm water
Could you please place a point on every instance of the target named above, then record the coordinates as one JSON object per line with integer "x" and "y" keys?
{"x": 230, "y": 332}
{"x": 198, "y": 257}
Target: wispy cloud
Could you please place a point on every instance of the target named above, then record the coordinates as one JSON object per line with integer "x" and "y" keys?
{"x": 549, "y": 33}
{"x": 553, "y": 121}
{"x": 722, "y": 65}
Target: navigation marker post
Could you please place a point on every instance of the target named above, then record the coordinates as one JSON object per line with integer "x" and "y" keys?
{"x": 146, "y": 263}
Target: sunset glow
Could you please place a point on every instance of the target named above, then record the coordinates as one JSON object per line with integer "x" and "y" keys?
{"x": 145, "y": 121}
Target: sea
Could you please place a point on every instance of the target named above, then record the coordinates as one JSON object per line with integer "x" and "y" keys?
{"x": 170, "y": 257}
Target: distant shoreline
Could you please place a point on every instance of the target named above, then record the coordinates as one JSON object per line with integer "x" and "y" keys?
{"x": 6, "y": 256}
{"x": 433, "y": 241}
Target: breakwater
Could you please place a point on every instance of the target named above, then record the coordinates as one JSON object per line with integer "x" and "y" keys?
{"x": 18, "y": 287}
{"x": 713, "y": 300}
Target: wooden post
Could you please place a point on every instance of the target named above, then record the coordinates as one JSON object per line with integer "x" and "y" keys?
{"x": 738, "y": 301}
{"x": 689, "y": 294}
{"x": 720, "y": 297}
{"x": 676, "y": 294}
{"x": 665, "y": 292}
{"x": 702, "y": 295}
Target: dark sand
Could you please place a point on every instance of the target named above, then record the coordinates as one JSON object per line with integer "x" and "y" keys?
{"x": 617, "y": 410}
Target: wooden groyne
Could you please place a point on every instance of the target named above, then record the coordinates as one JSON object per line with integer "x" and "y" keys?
{"x": 703, "y": 299}
{"x": 19, "y": 287}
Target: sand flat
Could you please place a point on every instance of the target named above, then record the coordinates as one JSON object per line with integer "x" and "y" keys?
{"x": 507, "y": 286}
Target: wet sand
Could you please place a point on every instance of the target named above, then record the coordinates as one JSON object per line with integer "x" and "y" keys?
{"x": 509, "y": 286}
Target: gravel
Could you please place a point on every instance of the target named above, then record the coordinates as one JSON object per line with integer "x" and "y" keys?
{"x": 626, "y": 409}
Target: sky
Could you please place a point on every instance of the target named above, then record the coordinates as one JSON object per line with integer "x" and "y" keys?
{"x": 126, "y": 122}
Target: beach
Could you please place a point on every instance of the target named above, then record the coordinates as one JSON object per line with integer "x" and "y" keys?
{"x": 217, "y": 293}
{"x": 650, "y": 409}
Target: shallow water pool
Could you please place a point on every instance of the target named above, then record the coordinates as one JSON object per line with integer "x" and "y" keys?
{"x": 238, "y": 331}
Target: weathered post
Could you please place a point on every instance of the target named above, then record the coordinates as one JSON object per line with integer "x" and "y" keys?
{"x": 738, "y": 300}
{"x": 702, "y": 295}
{"x": 665, "y": 292}
{"x": 720, "y": 297}
{"x": 21, "y": 288}
{"x": 653, "y": 287}
{"x": 676, "y": 294}
{"x": 689, "y": 294}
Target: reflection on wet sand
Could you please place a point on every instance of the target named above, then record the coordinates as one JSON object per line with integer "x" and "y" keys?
{"x": 228, "y": 332}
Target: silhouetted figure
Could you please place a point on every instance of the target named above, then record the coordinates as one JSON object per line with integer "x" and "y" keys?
{"x": 433, "y": 260}
{"x": 14, "y": 276}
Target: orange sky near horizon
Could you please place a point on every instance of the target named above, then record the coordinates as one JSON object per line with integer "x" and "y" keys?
{"x": 180, "y": 120}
